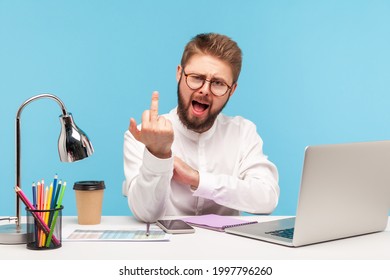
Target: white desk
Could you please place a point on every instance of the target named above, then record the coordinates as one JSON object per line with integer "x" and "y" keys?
{"x": 203, "y": 244}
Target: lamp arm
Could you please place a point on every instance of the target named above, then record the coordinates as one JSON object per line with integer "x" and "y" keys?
{"x": 39, "y": 96}
{"x": 18, "y": 142}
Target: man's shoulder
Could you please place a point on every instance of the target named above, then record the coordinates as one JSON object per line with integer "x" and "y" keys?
{"x": 238, "y": 121}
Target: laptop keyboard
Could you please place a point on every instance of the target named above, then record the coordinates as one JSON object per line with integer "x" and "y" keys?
{"x": 285, "y": 233}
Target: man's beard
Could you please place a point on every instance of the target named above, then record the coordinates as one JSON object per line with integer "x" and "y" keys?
{"x": 195, "y": 124}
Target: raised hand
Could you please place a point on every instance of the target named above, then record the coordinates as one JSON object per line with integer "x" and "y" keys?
{"x": 156, "y": 131}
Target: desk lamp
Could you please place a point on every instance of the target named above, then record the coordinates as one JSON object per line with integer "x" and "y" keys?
{"x": 73, "y": 145}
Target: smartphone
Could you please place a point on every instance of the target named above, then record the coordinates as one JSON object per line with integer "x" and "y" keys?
{"x": 175, "y": 226}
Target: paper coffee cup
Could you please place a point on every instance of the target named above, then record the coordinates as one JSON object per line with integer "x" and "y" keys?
{"x": 89, "y": 201}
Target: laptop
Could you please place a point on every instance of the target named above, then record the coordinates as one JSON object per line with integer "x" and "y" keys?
{"x": 344, "y": 192}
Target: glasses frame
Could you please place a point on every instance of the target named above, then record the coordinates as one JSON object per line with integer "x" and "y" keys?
{"x": 204, "y": 81}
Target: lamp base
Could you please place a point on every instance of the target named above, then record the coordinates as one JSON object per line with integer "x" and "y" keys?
{"x": 10, "y": 235}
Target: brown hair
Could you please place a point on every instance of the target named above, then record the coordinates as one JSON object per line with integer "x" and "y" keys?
{"x": 217, "y": 45}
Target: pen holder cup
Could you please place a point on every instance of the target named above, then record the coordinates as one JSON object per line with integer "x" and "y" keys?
{"x": 44, "y": 229}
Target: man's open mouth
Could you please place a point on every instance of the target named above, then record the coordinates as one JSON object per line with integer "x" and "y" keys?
{"x": 199, "y": 107}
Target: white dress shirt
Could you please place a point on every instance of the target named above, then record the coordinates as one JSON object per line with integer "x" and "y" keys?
{"x": 234, "y": 173}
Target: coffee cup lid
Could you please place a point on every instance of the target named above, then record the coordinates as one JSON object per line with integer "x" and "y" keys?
{"x": 89, "y": 185}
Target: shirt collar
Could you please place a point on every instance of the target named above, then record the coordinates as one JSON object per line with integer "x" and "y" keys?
{"x": 189, "y": 133}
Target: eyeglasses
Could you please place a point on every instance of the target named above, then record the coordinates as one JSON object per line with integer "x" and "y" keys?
{"x": 196, "y": 81}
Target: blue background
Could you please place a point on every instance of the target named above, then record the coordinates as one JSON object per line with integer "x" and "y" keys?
{"x": 313, "y": 72}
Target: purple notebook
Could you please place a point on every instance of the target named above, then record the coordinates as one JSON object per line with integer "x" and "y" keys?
{"x": 216, "y": 222}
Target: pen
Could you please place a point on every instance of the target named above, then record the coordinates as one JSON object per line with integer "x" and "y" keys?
{"x": 34, "y": 193}
{"x": 42, "y": 206}
{"x": 38, "y": 205}
{"x": 54, "y": 221}
{"x": 44, "y": 214}
{"x": 53, "y": 203}
{"x": 50, "y": 204}
{"x": 39, "y": 196}
{"x": 147, "y": 229}
{"x": 58, "y": 191}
